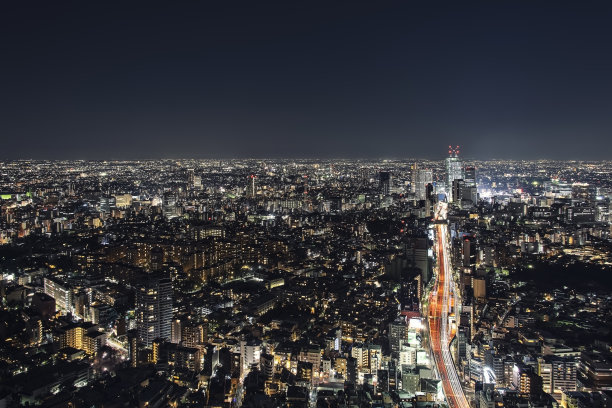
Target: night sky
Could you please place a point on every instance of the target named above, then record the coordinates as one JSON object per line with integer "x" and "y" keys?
{"x": 371, "y": 79}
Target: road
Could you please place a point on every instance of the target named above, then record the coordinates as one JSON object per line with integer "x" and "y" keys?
{"x": 440, "y": 303}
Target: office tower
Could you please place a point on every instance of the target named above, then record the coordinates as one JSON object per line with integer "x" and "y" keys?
{"x": 583, "y": 193}
{"x": 457, "y": 188}
{"x": 423, "y": 178}
{"x": 398, "y": 331}
{"x": 106, "y": 203}
{"x": 454, "y": 168}
{"x": 154, "y": 309}
{"x": 462, "y": 343}
{"x": 417, "y": 253}
{"x": 169, "y": 207}
{"x": 194, "y": 182}
{"x": 384, "y": 182}
{"x": 414, "y": 171}
{"x": 470, "y": 176}
{"x": 190, "y": 176}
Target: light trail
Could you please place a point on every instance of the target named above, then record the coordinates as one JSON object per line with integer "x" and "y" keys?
{"x": 438, "y": 319}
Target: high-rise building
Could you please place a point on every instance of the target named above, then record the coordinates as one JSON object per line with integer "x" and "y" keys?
{"x": 154, "y": 309}
{"x": 62, "y": 295}
{"x": 398, "y": 331}
{"x": 462, "y": 343}
{"x": 464, "y": 194}
{"x": 423, "y": 178}
{"x": 384, "y": 180}
{"x": 250, "y": 353}
{"x": 176, "y": 331}
{"x": 558, "y": 374}
{"x": 454, "y": 168}
{"x": 470, "y": 176}
{"x": 414, "y": 172}
{"x": 169, "y": 207}
{"x": 251, "y": 189}
{"x": 194, "y": 181}
{"x": 457, "y": 188}
{"x": 133, "y": 347}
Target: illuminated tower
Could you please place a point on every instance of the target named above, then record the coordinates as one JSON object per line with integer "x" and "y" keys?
{"x": 154, "y": 309}
{"x": 454, "y": 168}
{"x": 423, "y": 178}
{"x": 251, "y": 191}
{"x": 470, "y": 176}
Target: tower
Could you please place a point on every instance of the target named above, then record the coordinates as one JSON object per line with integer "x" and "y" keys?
{"x": 423, "y": 178}
{"x": 454, "y": 168}
{"x": 169, "y": 206}
{"x": 470, "y": 176}
{"x": 384, "y": 178}
{"x": 250, "y": 190}
{"x": 154, "y": 309}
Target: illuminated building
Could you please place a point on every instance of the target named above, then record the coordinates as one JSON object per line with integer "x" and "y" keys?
{"x": 61, "y": 294}
{"x": 154, "y": 310}
{"x": 398, "y": 330}
{"x": 423, "y": 178}
{"x": 454, "y": 168}
{"x": 558, "y": 374}
{"x": 83, "y": 336}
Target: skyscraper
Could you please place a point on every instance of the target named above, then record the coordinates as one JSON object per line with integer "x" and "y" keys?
{"x": 454, "y": 168}
{"x": 251, "y": 189}
{"x": 194, "y": 182}
{"x": 470, "y": 176}
{"x": 154, "y": 309}
{"x": 398, "y": 331}
{"x": 169, "y": 207}
{"x": 384, "y": 178}
{"x": 423, "y": 178}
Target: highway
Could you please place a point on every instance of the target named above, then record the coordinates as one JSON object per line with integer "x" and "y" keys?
{"x": 440, "y": 303}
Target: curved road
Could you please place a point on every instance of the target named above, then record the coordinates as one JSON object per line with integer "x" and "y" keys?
{"x": 439, "y": 306}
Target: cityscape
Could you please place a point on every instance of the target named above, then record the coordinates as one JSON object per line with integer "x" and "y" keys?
{"x": 316, "y": 204}
{"x": 306, "y": 283}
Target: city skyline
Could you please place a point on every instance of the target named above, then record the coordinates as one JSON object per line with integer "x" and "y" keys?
{"x": 306, "y": 204}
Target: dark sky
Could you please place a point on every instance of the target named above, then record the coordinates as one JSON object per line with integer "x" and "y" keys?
{"x": 102, "y": 79}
